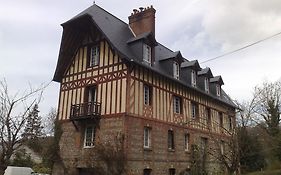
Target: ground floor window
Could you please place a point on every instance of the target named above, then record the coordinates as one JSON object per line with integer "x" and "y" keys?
{"x": 147, "y": 172}
{"x": 172, "y": 171}
{"x": 147, "y": 137}
{"x": 171, "y": 143}
{"x": 89, "y": 138}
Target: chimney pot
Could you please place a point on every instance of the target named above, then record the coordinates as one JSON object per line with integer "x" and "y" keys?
{"x": 135, "y": 11}
{"x": 143, "y": 20}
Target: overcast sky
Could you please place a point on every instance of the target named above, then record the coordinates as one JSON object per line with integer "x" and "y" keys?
{"x": 30, "y": 35}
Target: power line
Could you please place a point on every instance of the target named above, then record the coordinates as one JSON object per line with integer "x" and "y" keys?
{"x": 249, "y": 45}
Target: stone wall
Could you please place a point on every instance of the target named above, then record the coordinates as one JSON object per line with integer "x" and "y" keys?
{"x": 158, "y": 158}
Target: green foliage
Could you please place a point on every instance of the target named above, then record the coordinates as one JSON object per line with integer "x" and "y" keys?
{"x": 33, "y": 127}
{"x": 41, "y": 168}
{"x": 35, "y": 145}
{"x": 251, "y": 157}
{"x": 51, "y": 154}
{"x": 22, "y": 159}
{"x": 197, "y": 161}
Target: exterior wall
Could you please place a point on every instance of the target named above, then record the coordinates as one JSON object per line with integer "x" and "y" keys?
{"x": 159, "y": 158}
{"x": 161, "y": 109}
{"x": 109, "y": 76}
{"x": 120, "y": 91}
{"x": 72, "y": 150}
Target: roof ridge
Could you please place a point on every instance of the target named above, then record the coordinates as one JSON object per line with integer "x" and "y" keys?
{"x": 110, "y": 14}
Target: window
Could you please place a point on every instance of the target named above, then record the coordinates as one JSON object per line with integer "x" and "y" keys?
{"x": 186, "y": 142}
{"x": 206, "y": 82}
{"x": 172, "y": 171}
{"x": 147, "y": 94}
{"x": 204, "y": 142}
{"x": 230, "y": 123}
{"x": 91, "y": 94}
{"x": 177, "y": 104}
{"x": 147, "y": 54}
{"x": 218, "y": 90}
{"x": 176, "y": 70}
{"x": 171, "y": 144}
{"x": 222, "y": 147}
{"x": 94, "y": 55}
{"x": 194, "y": 110}
{"x": 220, "y": 119}
{"x": 193, "y": 78}
{"x": 146, "y": 171}
{"x": 89, "y": 140}
{"x": 147, "y": 137}
{"x": 208, "y": 115}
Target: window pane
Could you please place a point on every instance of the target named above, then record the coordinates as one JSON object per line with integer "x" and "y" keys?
{"x": 221, "y": 119}
{"x": 176, "y": 70}
{"x": 146, "y": 95}
{"x": 177, "y": 105}
{"x": 218, "y": 89}
{"x": 147, "y": 54}
{"x": 172, "y": 171}
{"x": 146, "y": 137}
{"x": 206, "y": 84}
{"x": 89, "y": 136}
{"x": 146, "y": 171}
{"x": 193, "y": 78}
{"x": 170, "y": 139}
{"x": 94, "y": 56}
{"x": 193, "y": 110}
{"x": 186, "y": 142}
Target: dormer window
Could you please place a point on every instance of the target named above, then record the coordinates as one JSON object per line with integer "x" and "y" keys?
{"x": 94, "y": 55}
{"x": 218, "y": 90}
{"x": 147, "y": 54}
{"x": 176, "y": 70}
{"x": 206, "y": 82}
{"x": 193, "y": 78}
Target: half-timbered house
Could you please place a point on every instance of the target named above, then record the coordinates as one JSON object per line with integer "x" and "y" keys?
{"x": 115, "y": 78}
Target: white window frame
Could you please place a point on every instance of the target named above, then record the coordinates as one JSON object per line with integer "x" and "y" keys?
{"x": 218, "y": 89}
{"x": 94, "y": 56}
{"x": 207, "y": 85}
{"x": 194, "y": 110}
{"x": 146, "y": 94}
{"x": 186, "y": 141}
{"x": 147, "y": 54}
{"x": 176, "y": 70}
{"x": 91, "y": 143}
{"x": 147, "y": 137}
{"x": 177, "y": 105}
{"x": 193, "y": 78}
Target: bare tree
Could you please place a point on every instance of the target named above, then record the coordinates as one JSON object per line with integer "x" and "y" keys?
{"x": 267, "y": 106}
{"x": 49, "y": 122}
{"x": 225, "y": 149}
{"x": 13, "y": 113}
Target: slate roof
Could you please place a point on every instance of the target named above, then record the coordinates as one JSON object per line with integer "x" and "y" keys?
{"x": 216, "y": 79}
{"x": 119, "y": 35}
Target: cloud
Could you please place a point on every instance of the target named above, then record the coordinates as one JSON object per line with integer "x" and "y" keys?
{"x": 30, "y": 36}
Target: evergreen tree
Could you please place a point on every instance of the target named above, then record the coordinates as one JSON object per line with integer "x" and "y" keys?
{"x": 33, "y": 128}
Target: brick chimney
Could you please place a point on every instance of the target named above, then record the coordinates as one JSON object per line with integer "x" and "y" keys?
{"x": 143, "y": 20}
